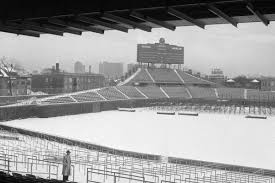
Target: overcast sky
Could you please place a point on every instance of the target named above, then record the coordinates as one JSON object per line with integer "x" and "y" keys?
{"x": 248, "y": 49}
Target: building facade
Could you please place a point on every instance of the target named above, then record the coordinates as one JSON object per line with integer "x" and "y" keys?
{"x": 111, "y": 70}
{"x": 61, "y": 82}
{"x": 79, "y": 67}
{"x": 267, "y": 84}
{"x": 14, "y": 84}
{"x": 217, "y": 76}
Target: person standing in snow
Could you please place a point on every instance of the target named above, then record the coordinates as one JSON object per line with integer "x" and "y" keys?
{"x": 66, "y": 170}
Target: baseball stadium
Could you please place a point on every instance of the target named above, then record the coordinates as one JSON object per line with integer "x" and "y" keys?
{"x": 159, "y": 125}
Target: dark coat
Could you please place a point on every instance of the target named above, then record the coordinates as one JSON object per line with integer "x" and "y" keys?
{"x": 66, "y": 170}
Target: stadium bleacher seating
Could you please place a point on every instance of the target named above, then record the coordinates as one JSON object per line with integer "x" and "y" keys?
{"x": 141, "y": 77}
{"x": 87, "y": 97}
{"x": 130, "y": 91}
{"x": 152, "y": 92}
{"x": 230, "y": 93}
{"x": 202, "y": 92}
{"x": 111, "y": 93}
{"x": 176, "y": 91}
{"x": 256, "y": 95}
{"x": 58, "y": 100}
{"x": 19, "y": 178}
{"x": 164, "y": 75}
{"x": 188, "y": 78}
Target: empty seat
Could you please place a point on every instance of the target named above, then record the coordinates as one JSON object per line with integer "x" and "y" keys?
{"x": 176, "y": 91}
{"x": 164, "y": 76}
{"x": 87, "y": 97}
{"x": 152, "y": 92}
{"x": 202, "y": 92}
{"x": 58, "y": 100}
{"x": 130, "y": 91}
{"x": 230, "y": 93}
{"x": 256, "y": 95}
{"x": 141, "y": 77}
{"x": 111, "y": 93}
{"x": 190, "y": 79}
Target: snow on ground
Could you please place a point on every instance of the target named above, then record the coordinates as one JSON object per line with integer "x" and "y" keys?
{"x": 221, "y": 138}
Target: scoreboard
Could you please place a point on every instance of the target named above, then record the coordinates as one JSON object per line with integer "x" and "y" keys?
{"x": 160, "y": 53}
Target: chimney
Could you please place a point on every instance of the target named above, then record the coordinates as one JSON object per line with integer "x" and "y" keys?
{"x": 90, "y": 69}
{"x": 57, "y": 67}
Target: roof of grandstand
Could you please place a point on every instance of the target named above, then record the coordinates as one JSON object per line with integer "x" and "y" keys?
{"x": 33, "y": 18}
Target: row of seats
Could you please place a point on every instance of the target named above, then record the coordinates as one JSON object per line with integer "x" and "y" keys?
{"x": 164, "y": 76}
{"x": 230, "y": 93}
{"x": 176, "y": 91}
{"x": 125, "y": 92}
{"x": 87, "y": 97}
{"x": 257, "y": 95}
{"x": 111, "y": 93}
{"x": 190, "y": 79}
{"x": 152, "y": 92}
{"x": 142, "y": 77}
{"x": 19, "y": 178}
{"x": 206, "y": 93}
{"x": 58, "y": 100}
{"x": 130, "y": 91}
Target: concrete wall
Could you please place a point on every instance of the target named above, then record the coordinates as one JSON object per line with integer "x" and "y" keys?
{"x": 45, "y": 111}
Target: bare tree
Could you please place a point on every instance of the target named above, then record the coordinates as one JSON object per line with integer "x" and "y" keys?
{"x": 9, "y": 69}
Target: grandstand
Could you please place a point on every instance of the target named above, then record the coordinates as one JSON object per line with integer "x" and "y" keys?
{"x": 111, "y": 93}
{"x": 264, "y": 96}
{"x": 177, "y": 91}
{"x": 131, "y": 92}
{"x": 202, "y": 92}
{"x": 140, "y": 76}
{"x": 87, "y": 97}
{"x": 164, "y": 76}
{"x": 36, "y": 157}
{"x": 152, "y": 92}
{"x": 58, "y": 100}
{"x": 231, "y": 93}
{"x": 38, "y": 154}
{"x": 190, "y": 79}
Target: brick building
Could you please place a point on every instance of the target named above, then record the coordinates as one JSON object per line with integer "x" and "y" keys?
{"x": 62, "y": 82}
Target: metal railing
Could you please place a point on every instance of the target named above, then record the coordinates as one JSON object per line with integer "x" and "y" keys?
{"x": 42, "y": 156}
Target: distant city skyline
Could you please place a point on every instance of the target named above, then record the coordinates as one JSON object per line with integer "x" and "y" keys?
{"x": 247, "y": 50}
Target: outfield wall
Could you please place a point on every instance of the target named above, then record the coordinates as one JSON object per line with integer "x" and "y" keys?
{"x": 43, "y": 111}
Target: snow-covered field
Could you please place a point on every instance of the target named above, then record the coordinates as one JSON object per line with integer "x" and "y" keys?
{"x": 222, "y": 138}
